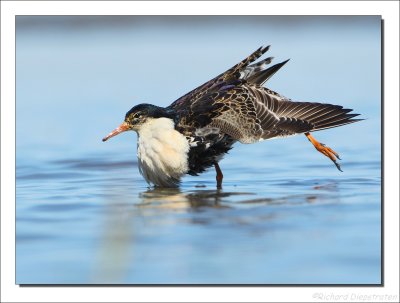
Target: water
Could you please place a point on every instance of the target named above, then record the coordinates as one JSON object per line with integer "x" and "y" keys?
{"x": 285, "y": 215}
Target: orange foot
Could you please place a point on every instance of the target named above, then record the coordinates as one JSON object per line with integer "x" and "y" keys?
{"x": 327, "y": 151}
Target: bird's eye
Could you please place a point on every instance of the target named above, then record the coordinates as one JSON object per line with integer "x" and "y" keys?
{"x": 137, "y": 119}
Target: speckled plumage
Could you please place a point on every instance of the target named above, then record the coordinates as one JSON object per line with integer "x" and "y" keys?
{"x": 236, "y": 103}
{"x": 249, "y": 112}
{"x": 234, "y": 106}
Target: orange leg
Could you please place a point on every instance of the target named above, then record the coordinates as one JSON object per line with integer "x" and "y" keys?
{"x": 322, "y": 148}
{"x": 219, "y": 176}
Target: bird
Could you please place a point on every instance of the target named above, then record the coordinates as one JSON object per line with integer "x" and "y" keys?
{"x": 195, "y": 132}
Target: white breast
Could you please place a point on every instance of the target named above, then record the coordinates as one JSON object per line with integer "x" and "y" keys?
{"x": 162, "y": 152}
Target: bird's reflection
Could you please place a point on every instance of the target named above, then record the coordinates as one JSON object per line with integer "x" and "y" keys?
{"x": 174, "y": 198}
{"x": 130, "y": 224}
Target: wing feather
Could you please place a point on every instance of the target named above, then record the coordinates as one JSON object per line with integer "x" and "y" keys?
{"x": 235, "y": 103}
{"x": 232, "y": 75}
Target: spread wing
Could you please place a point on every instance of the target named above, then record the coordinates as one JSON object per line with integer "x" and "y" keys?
{"x": 251, "y": 113}
{"x": 280, "y": 117}
{"x": 243, "y": 70}
{"x": 236, "y": 104}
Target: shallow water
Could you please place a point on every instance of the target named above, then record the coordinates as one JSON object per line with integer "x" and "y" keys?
{"x": 285, "y": 215}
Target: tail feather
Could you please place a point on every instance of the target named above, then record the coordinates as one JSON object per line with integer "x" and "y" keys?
{"x": 261, "y": 76}
{"x": 245, "y": 63}
{"x": 255, "y": 68}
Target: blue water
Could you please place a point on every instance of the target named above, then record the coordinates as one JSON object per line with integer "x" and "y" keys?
{"x": 285, "y": 215}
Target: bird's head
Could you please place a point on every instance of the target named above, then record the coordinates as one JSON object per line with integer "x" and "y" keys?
{"x": 137, "y": 116}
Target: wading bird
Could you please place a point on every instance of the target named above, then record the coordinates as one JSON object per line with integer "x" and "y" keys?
{"x": 198, "y": 129}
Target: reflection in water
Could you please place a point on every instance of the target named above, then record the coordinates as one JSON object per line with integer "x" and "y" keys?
{"x": 155, "y": 235}
{"x": 175, "y": 198}
{"x": 331, "y": 187}
{"x": 117, "y": 243}
{"x": 127, "y": 224}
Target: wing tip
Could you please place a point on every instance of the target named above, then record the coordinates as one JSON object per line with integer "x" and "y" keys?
{"x": 264, "y": 48}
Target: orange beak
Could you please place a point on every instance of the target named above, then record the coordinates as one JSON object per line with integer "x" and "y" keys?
{"x": 122, "y": 128}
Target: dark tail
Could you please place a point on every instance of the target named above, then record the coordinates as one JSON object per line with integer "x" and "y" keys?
{"x": 261, "y": 75}
{"x": 318, "y": 116}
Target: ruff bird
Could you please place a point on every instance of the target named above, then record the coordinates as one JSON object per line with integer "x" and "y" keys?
{"x": 198, "y": 129}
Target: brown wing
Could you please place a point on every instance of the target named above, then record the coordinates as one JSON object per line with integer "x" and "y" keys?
{"x": 234, "y": 111}
{"x": 297, "y": 117}
{"x": 250, "y": 113}
{"x": 235, "y": 103}
{"x": 264, "y": 114}
{"x": 230, "y": 77}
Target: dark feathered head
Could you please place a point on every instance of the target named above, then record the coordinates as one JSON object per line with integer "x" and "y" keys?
{"x": 137, "y": 116}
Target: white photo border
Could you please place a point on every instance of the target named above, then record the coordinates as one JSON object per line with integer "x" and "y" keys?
{"x": 389, "y": 10}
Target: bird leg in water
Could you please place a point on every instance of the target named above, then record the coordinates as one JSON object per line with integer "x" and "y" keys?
{"x": 322, "y": 148}
{"x": 219, "y": 176}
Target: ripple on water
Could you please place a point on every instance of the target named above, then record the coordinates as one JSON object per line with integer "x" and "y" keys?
{"x": 78, "y": 203}
{"x": 51, "y": 175}
{"x": 97, "y": 164}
